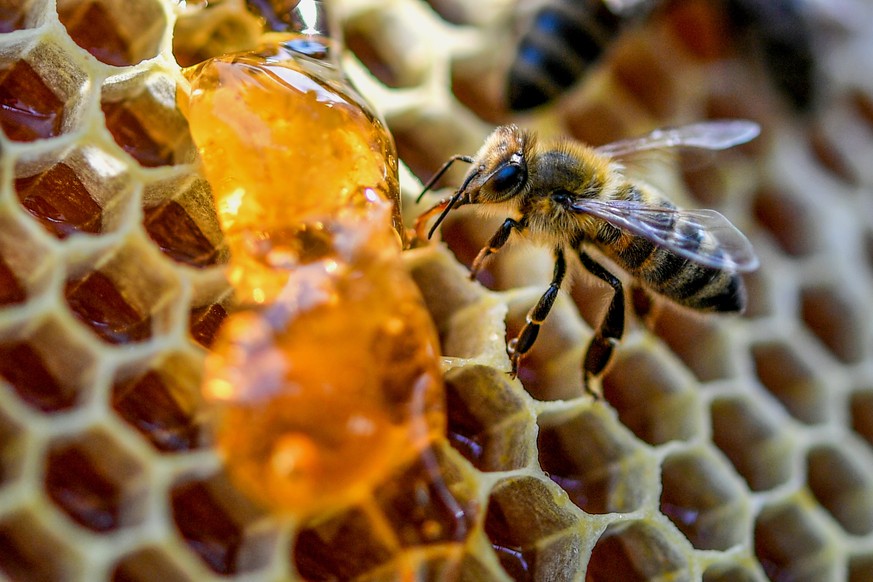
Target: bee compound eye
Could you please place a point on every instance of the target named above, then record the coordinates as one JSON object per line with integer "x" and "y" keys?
{"x": 506, "y": 178}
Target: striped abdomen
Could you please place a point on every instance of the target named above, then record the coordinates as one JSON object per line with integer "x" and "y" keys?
{"x": 566, "y": 36}
{"x": 664, "y": 271}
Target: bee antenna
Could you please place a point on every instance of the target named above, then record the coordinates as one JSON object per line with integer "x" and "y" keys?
{"x": 440, "y": 172}
{"x": 453, "y": 201}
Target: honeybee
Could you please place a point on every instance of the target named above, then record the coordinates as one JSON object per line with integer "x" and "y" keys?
{"x": 572, "y": 197}
{"x": 565, "y": 37}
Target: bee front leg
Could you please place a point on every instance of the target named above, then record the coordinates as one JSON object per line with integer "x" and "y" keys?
{"x": 610, "y": 330}
{"x": 498, "y": 239}
{"x": 521, "y": 344}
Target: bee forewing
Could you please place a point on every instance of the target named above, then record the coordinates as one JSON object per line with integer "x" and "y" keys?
{"x": 703, "y": 236}
{"x": 709, "y": 135}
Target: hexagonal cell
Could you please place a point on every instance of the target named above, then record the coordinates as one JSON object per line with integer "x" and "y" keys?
{"x": 758, "y": 450}
{"x": 95, "y": 482}
{"x": 83, "y": 190}
{"x": 25, "y": 265}
{"x": 488, "y": 422}
{"x": 787, "y": 376}
{"x": 478, "y": 82}
{"x": 535, "y": 536}
{"x": 41, "y": 90}
{"x": 36, "y": 111}
{"x": 790, "y": 546}
{"x": 430, "y": 500}
{"x": 705, "y": 500}
{"x": 843, "y": 487}
{"x": 396, "y": 59}
{"x": 790, "y": 221}
{"x": 11, "y": 451}
{"x": 179, "y": 216}
{"x": 595, "y": 460}
{"x": 651, "y": 398}
{"x": 126, "y": 299}
{"x": 835, "y": 319}
{"x": 143, "y": 118}
{"x": 701, "y": 341}
{"x": 148, "y": 564}
{"x": 860, "y": 567}
{"x": 113, "y": 31}
{"x": 595, "y": 123}
{"x": 162, "y": 401}
{"x": 48, "y": 369}
{"x": 29, "y": 551}
{"x": 343, "y": 547}
{"x": 221, "y": 526}
{"x": 636, "y": 551}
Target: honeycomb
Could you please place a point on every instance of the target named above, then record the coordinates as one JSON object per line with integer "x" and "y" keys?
{"x": 725, "y": 448}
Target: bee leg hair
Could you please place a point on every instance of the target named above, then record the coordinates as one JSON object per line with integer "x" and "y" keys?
{"x": 498, "y": 239}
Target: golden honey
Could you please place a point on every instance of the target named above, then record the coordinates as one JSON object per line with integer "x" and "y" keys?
{"x": 330, "y": 377}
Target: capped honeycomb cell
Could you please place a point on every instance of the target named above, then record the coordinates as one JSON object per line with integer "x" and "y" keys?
{"x": 150, "y": 563}
{"x": 47, "y": 368}
{"x": 835, "y": 319}
{"x": 843, "y": 487}
{"x": 791, "y": 546}
{"x": 705, "y": 500}
{"x": 95, "y": 482}
{"x": 491, "y": 427}
{"x": 757, "y": 448}
{"x": 29, "y": 551}
{"x": 115, "y": 32}
{"x": 790, "y": 378}
{"x": 533, "y": 531}
{"x": 635, "y": 551}
{"x": 142, "y": 116}
{"x": 594, "y": 459}
{"x": 122, "y": 301}
{"x": 81, "y": 191}
{"x": 163, "y": 402}
{"x": 221, "y": 526}
{"x": 651, "y": 399}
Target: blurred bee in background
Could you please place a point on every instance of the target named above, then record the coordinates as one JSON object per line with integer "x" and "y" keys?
{"x": 570, "y": 197}
{"x": 566, "y": 37}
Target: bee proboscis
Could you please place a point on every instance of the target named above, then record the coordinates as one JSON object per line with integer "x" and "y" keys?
{"x": 570, "y": 197}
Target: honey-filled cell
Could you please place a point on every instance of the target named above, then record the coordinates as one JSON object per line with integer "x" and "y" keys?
{"x": 30, "y": 109}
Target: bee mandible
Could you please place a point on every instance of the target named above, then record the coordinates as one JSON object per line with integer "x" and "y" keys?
{"x": 572, "y": 197}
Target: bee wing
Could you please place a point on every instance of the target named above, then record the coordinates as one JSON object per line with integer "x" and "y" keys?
{"x": 703, "y": 236}
{"x": 708, "y": 135}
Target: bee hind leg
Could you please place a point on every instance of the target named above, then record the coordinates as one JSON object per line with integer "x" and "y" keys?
{"x": 610, "y": 330}
{"x": 525, "y": 339}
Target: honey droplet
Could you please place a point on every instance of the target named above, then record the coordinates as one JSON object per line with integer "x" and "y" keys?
{"x": 328, "y": 377}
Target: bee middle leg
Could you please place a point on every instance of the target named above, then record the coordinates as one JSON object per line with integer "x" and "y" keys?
{"x": 524, "y": 341}
{"x": 498, "y": 239}
{"x": 610, "y": 330}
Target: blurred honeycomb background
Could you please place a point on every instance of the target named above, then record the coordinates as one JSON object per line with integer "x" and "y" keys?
{"x": 725, "y": 448}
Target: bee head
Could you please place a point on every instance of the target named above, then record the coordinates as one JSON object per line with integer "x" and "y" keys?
{"x": 499, "y": 172}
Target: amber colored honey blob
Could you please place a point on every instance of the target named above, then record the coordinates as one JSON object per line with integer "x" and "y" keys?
{"x": 330, "y": 378}
{"x": 280, "y": 139}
